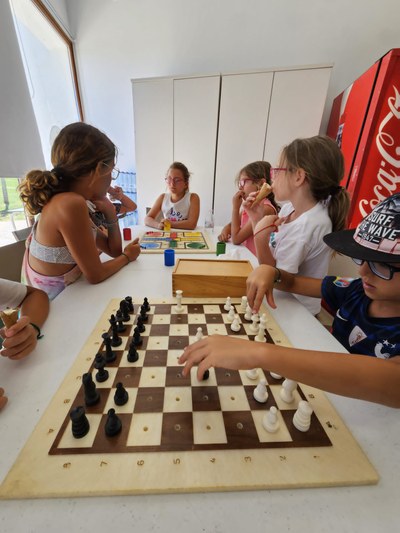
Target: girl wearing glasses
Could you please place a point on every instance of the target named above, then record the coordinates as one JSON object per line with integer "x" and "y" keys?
{"x": 307, "y": 181}
{"x": 66, "y": 238}
{"x": 250, "y": 180}
{"x": 177, "y": 208}
{"x": 366, "y": 323}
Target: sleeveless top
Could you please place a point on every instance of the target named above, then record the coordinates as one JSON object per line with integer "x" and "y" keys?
{"x": 176, "y": 211}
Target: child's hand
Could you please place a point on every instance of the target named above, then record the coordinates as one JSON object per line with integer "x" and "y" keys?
{"x": 267, "y": 225}
{"x": 218, "y": 351}
{"x": 19, "y": 340}
{"x": 237, "y": 199}
{"x": 132, "y": 250}
{"x": 254, "y": 210}
{"x": 116, "y": 193}
{"x": 225, "y": 234}
{"x": 260, "y": 283}
{"x": 3, "y": 399}
{"x": 105, "y": 206}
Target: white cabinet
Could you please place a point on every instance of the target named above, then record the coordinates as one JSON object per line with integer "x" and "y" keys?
{"x": 217, "y": 124}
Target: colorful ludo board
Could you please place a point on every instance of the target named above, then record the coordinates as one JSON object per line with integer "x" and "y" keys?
{"x": 179, "y": 434}
{"x": 181, "y": 241}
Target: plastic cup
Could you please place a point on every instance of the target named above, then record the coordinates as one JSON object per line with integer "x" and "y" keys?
{"x": 169, "y": 257}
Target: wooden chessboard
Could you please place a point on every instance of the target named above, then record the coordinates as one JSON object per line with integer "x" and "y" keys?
{"x": 182, "y": 241}
{"x": 179, "y": 434}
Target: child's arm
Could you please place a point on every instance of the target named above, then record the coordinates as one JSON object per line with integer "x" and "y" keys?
{"x": 265, "y": 278}
{"x": 356, "y": 376}
{"x": 225, "y": 234}
{"x": 150, "y": 218}
{"x": 110, "y": 241}
{"x": 21, "y": 338}
{"x": 193, "y": 216}
{"x": 240, "y": 234}
{"x": 127, "y": 204}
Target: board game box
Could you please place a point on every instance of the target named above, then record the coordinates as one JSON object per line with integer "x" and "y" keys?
{"x": 176, "y": 434}
{"x": 182, "y": 241}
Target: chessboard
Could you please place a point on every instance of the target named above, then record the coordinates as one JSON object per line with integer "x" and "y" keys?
{"x": 182, "y": 241}
{"x": 151, "y": 430}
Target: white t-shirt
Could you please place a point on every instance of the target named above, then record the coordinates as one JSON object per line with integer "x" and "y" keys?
{"x": 11, "y": 293}
{"x": 176, "y": 211}
{"x": 298, "y": 247}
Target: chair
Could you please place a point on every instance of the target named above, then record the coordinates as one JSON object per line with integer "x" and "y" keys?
{"x": 22, "y": 234}
{"x": 11, "y": 257}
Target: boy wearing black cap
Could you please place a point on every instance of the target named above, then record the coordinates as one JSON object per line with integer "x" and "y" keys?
{"x": 367, "y": 320}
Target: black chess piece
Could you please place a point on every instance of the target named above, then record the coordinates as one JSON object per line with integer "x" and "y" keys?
{"x": 143, "y": 313}
{"x": 120, "y": 322}
{"x": 121, "y": 395}
{"x": 133, "y": 355}
{"x": 113, "y": 424}
{"x": 80, "y": 423}
{"x": 110, "y": 355}
{"x": 124, "y": 308}
{"x": 130, "y": 303}
{"x": 206, "y": 375}
{"x": 92, "y": 395}
{"x": 115, "y": 339}
{"x": 140, "y": 325}
{"x": 146, "y": 305}
{"x": 99, "y": 364}
{"x": 137, "y": 339}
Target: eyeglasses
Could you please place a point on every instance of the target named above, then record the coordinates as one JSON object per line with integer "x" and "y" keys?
{"x": 242, "y": 182}
{"x": 115, "y": 172}
{"x": 274, "y": 171}
{"x": 382, "y": 270}
{"x": 175, "y": 181}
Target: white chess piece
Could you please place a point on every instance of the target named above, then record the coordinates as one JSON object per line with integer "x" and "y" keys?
{"x": 302, "y": 417}
{"x": 260, "y": 393}
{"x": 243, "y": 305}
{"x": 275, "y": 375}
{"x": 252, "y": 373}
{"x": 254, "y": 323}
{"x": 199, "y": 334}
{"x": 287, "y": 390}
{"x": 228, "y": 304}
{"x": 235, "y": 326}
{"x": 263, "y": 320}
{"x": 179, "y": 307}
{"x": 270, "y": 420}
{"x": 231, "y": 315}
{"x": 260, "y": 337}
{"x": 248, "y": 314}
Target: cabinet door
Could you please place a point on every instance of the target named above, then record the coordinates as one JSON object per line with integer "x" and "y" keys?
{"x": 196, "y": 103}
{"x": 153, "y": 122}
{"x": 297, "y": 103}
{"x": 242, "y": 125}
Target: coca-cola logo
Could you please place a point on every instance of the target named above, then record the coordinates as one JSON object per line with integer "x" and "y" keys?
{"x": 388, "y": 176}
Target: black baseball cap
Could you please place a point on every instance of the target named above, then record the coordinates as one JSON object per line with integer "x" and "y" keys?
{"x": 376, "y": 238}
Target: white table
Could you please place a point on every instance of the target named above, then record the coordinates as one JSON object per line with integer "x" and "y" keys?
{"x": 32, "y": 383}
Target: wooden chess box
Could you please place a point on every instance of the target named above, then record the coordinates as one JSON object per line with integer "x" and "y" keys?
{"x": 211, "y": 278}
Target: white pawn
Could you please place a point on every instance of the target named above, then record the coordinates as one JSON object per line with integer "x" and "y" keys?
{"x": 231, "y": 315}
{"x": 235, "y": 326}
{"x": 270, "y": 420}
{"x": 275, "y": 375}
{"x": 263, "y": 320}
{"x": 228, "y": 304}
{"x": 302, "y": 417}
{"x": 248, "y": 314}
{"x": 243, "y": 305}
{"x": 254, "y": 323}
{"x": 252, "y": 373}
{"x": 260, "y": 335}
{"x": 260, "y": 393}
{"x": 287, "y": 390}
{"x": 179, "y": 307}
{"x": 199, "y": 334}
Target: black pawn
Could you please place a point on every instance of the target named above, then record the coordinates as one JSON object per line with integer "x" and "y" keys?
{"x": 124, "y": 308}
{"x": 120, "y": 322}
{"x": 80, "y": 423}
{"x": 110, "y": 355}
{"x": 206, "y": 375}
{"x": 115, "y": 339}
{"x": 130, "y": 303}
{"x": 113, "y": 424}
{"x": 99, "y": 364}
{"x": 92, "y": 395}
{"x": 137, "y": 339}
{"x": 133, "y": 355}
{"x": 146, "y": 305}
{"x": 140, "y": 325}
{"x": 143, "y": 313}
{"x": 121, "y": 395}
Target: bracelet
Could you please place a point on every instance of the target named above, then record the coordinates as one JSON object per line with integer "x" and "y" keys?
{"x": 266, "y": 227}
{"x": 278, "y": 279}
{"x": 123, "y": 253}
{"x": 39, "y": 333}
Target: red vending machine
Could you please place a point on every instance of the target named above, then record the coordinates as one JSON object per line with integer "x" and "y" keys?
{"x": 365, "y": 121}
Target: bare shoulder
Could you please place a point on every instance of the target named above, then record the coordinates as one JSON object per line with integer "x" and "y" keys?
{"x": 69, "y": 199}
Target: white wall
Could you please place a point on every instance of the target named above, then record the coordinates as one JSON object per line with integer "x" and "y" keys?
{"x": 117, "y": 40}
